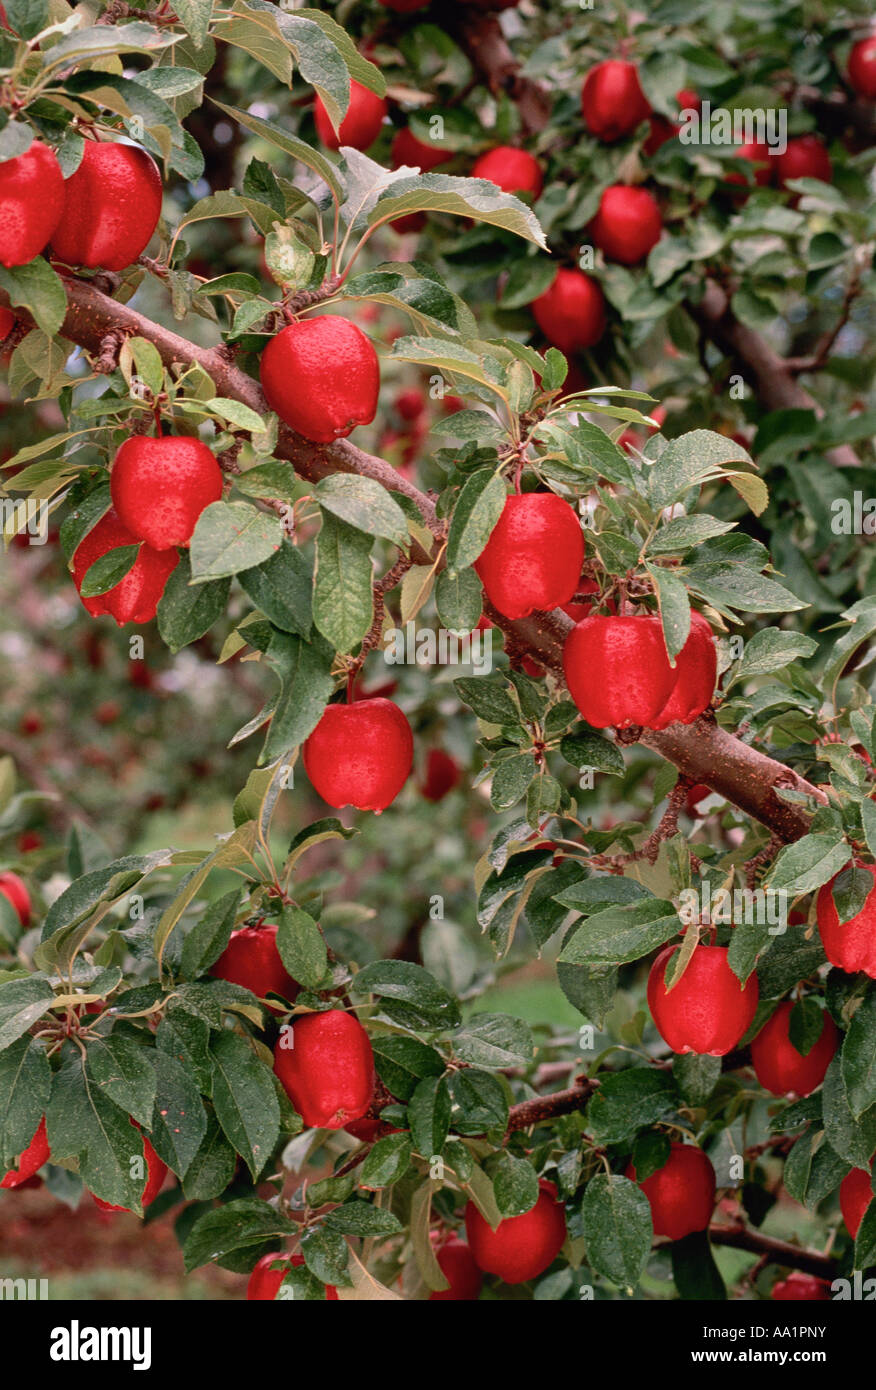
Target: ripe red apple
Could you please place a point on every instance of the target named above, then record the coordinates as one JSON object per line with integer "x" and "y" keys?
{"x": 571, "y": 312}
{"x": 627, "y": 225}
{"x": 112, "y": 204}
{"x": 328, "y": 1072}
{"x": 708, "y": 1011}
{"x": 612, "y": 100}
{"x": 410, "y": 404}
{"x": 30, "y": 1160}
{"x": 160, "y": 487}
{"x": 617, "y": 670}
{"x": 442, "y": 774}
{"x": 779, "y": 1067}
{"x": 801, "y": 1288}
{"x": 32, "y": 199}
{"x": 805, "y": 158}
{"x": 661, "y": 129}
{"x": 532, "y": 561}
{"x": 14, "y": 888}
{"x": 251, "y": 959}
{"x": 695, "y": 795}
{"x": 759, "y": 155}
{"x": 407, "y": 149}
{"x": 849, "y": 945}
{"x": 856, "y": 1194}
{"x": 696, "y": 669}
{"x": 458, "y": 1266}
{"x": 264, "y": 1282}
{"x": 360, "y": 754}
{"x": 681, "y": 1194}
{"x": 321, "y": 376}
{"x": 156, "y": 1172}
{"x": 862, "y": 67}
{"x": 135, "y": 598}
{"x": 512, "y": 170}
{"x": 360, "y": 126}
{"x": 521, "y": 1247}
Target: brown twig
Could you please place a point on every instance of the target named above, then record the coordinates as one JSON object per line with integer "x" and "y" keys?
{"x": 780, "y": 1251}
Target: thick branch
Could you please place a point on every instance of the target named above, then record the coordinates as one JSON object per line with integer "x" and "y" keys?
{"x": 742, "y": 1238}
{"x": 482, "y": 40}
{"x": 701, "y": 751}
{"x": 541, "y": 1108}
{"x": 776, "y": 384}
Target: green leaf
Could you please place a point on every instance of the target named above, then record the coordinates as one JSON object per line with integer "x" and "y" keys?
{"x": 22, "y": 1002}
{"x": 290, "y": 144}
{"x": 488, "y": 697}
{"x": 479, "y": 1100}
{"x": 363, "y": 504}
{"x": 674, "y": 606}
{"x": 459, "y": 599}
{"x": 123, "y": 1070}
{"x": 623, "y": 933}
{"x": 510, "y": 781}
{"x": 82, "y": 1122}
{"x": 859, "y": 1057}
{"x": 515, "y": 1183}
{"x": 179, "y": 1122}
{"x": 38, "y": 289}
{"x": 208, "y": 938}
{"x": 494, "y": 1040}
{"x": 402, "y": 1062}
{"x": 232, "y": 536}
{"x": 25, "y": 1083}
{"x": 429, "y": 1116}
{"x": 245, "y": 1100}
{"x": 282, "y": 588}
{"x": 236, "y": 414}
{"x": 387, "y": 1162}
{"x": 302, "y": 947}
{"x": 696, "y": 1076}
{"x": 360, "y": 1218}
{"x": 109, "y": 570}
{"x": 591, "y": 750}
{"x": 212, "y": 1168}
{"x": 475, "y": 198}
{"x": 629, "y": 1101}
{"x": 235, "y": 1226}
{"x": 343, "y": 606}
{"x": 478, "y": 508}
{"x": 684, "y": 532}
{"x": 694, "y": 1271}
{"x": 306, "y": 683}
{"x": 808, "y": 863}
{"x": 399, "y": 982}
{"x": 187, "y": 611}
{"x": 616, "y": 1217}
{"x": 850, "y": 892}
{"x": 771, "y": 649}
{"x": 735, "y": 586}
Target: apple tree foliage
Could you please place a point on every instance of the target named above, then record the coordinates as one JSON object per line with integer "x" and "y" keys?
{"x": 750, "y": 321}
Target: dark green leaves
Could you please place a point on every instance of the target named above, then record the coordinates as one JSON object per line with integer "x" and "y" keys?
{"x": 301, "y": 946}
{"x": 342, "y": 596}
{"x": 245, "y": 1100}
{"x": 408, "y": 993}
{"x": 617, "y": 1228}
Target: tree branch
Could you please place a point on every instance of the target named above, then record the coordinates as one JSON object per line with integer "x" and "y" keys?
{"x": 742, "y": 1238}
{"x": 481, "y": 38}
{"x": 541, "y": 1108}
{"x": 702, "y": 751}
{"x": 774, "y": 378}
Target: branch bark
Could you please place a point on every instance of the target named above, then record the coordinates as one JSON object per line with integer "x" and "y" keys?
{"x": 756, "y": 1243}
{"x": 774, "y": 378}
